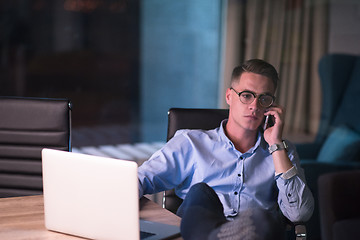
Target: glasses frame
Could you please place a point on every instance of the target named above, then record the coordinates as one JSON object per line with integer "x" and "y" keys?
{"x": 258, "y": 96}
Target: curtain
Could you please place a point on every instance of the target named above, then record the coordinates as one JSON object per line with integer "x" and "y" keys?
{"x": 292, "y": 36}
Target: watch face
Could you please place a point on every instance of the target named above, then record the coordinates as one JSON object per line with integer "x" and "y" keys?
{"x": 275, "y": 147}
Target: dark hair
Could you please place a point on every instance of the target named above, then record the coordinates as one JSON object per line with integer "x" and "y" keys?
{"x": 257, "y": 66}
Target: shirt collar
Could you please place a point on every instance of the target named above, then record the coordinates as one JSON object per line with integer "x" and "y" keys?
{"x": 222, "y": 134}
{"x": 259, "y": 142}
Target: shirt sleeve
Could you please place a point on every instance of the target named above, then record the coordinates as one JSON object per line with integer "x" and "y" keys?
{"x": 295, "y": 198}
{"x": 288, "y": 174}
{"x": 166, "y": 168}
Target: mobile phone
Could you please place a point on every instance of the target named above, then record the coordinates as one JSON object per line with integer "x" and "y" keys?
{"x": 268, "y": 122}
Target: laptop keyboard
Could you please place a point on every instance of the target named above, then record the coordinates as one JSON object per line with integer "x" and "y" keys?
{"x": 144, "y": 235}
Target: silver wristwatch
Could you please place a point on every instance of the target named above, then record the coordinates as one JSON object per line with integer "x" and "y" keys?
{"x": 276, "y": 147}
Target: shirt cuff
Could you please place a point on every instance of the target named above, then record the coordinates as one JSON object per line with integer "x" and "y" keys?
{"x": 288, "y": 174}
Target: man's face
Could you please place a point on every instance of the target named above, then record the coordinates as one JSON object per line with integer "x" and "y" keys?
{"x": 248, "y": 116}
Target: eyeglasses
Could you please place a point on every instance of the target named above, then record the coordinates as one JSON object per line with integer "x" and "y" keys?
{"x": 247, "y": 97}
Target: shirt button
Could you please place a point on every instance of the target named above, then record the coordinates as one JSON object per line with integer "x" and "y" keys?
{"x": 236, "y": 193}
{"x": 241, "y": 158}
{"x": 289, "y": 194}
{"x": 239, "y": 175}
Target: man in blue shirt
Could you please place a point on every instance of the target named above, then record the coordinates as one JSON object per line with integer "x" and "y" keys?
{"x": 246, "y": 167}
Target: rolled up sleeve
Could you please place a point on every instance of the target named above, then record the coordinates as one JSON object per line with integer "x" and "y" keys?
{"x": 295, "y": 198}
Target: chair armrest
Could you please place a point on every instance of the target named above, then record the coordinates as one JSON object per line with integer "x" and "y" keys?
{"x": 300, "y": 231}
{"x": 171, "y": 201}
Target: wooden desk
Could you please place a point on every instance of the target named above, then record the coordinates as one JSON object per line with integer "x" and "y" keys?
{"x": 23, "y": 218}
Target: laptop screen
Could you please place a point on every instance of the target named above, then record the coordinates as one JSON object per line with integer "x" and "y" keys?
{"x": 95, "y": 197}
{"x": 90, "y": 196}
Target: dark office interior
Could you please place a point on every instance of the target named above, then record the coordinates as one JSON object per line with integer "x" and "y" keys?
{"x": 87, "y": 51}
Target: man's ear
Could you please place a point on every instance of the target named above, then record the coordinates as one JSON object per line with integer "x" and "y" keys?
{"x": 228, "y": 96}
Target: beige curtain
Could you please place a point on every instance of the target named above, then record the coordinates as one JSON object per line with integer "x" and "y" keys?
{"x": 291, "y": 35}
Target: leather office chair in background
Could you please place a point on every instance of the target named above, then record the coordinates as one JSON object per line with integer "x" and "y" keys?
{"x": 339, "y": 195}
{"x": 27, "y": 125}
{"x": 206, "y": 119}
{"x": 181, "y": 118}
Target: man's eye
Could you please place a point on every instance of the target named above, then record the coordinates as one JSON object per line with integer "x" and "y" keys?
{"x": 247, "y": 95}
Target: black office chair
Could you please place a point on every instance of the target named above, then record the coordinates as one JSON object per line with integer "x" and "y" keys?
{"x": 181, "y": 118}
{"x": 27, "y": 125}
{"x": 187, "y": 118}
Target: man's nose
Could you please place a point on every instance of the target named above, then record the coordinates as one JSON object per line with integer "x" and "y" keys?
{"x": 255, "y": 105}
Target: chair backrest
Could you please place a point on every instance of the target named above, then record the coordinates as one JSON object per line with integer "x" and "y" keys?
{"x": 340, "y": 82}
{"x": 27, "y": 125}
{"x": 190, "y": 118}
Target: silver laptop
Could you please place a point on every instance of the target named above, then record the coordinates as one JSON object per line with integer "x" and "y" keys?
{"x": 95, "y": 197}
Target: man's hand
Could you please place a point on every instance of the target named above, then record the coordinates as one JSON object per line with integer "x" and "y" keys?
{"x": 274, "y": 133}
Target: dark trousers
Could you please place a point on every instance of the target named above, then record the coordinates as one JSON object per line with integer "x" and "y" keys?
{"x": 203, "y": 218}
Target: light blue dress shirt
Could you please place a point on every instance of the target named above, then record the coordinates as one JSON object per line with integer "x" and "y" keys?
{"x": 241, "y": 180}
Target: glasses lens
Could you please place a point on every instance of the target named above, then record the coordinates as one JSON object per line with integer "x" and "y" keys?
{"x": 266, "y": 100}
{"x": 246, "y": 97}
